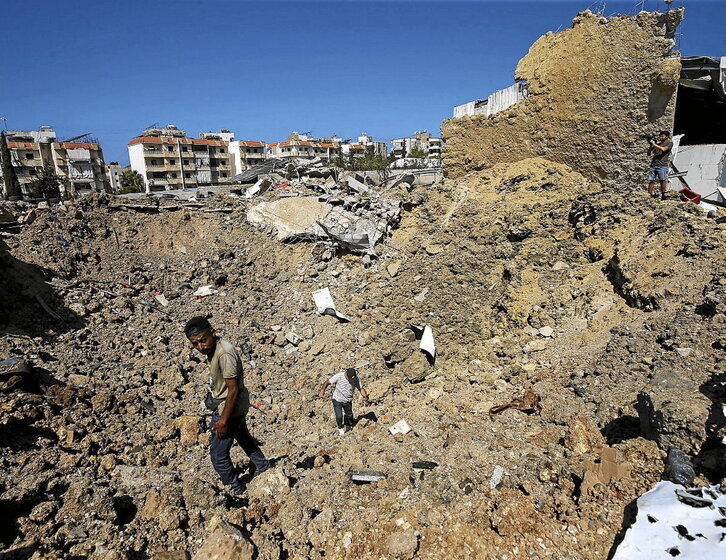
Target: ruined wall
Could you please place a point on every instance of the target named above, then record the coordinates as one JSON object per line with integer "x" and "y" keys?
{"x": 595, "y": 91}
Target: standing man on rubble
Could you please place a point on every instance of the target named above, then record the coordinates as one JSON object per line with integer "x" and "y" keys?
{"x": 228, "y": 400}
{"x": 345, "y": 383}
{"x": 658, "y": 170}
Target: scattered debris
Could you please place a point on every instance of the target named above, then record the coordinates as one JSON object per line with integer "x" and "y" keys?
{"x": 366, "y": 476}
{"x": 204, "y": 291}
{"x": 326, "y": 306}
{"x": 530, "y": 403}
{"x": 671, "y": 519}
{"x": 400, "y": 427}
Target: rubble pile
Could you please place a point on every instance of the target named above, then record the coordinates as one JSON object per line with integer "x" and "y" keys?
{"x": 597, "y": 91}
{"x": 540, "y": 349}
{"x": 532, "y": 280}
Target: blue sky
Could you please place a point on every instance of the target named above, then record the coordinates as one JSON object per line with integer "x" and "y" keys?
{"x": 265, "y": 68}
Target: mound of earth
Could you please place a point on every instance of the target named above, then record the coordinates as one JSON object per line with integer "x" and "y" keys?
{"x": 534, "y": 280}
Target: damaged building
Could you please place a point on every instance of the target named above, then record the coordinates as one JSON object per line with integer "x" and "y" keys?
{"x": 699, "y": 163}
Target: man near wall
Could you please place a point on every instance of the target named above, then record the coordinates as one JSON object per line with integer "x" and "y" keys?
{"x": 658, "y": 170}
{"x": 228, "y": 400}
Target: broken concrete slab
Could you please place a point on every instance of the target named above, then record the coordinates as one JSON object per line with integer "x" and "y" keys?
{"x": 290, "y": 218}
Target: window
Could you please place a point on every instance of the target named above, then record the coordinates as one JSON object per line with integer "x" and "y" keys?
{"x": 153, "y": 162}
{"x": 185, "y": 149}
{"x": 224, "y": 174}
{"x": 186, "y": 162}
{"x": 221, "y": 150}
{"x": 173, "y": 175}
{"x": 29, "y": 156}
{"x": 31, "y": 171}
{"x": 188, "y": 175}
{"x": 172, "y": 161}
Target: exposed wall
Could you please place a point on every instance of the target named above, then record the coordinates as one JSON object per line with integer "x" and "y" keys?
{"x": 595, "y": 91}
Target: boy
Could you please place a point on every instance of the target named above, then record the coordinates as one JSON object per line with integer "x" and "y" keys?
{"x": 345, "y": 383}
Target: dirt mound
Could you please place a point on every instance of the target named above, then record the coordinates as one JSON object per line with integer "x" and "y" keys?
{"x": 530, "y": 276}
{"x": 596, "y": 92}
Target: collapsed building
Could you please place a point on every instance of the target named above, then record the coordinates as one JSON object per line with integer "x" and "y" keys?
{"x": 578, "y": 358}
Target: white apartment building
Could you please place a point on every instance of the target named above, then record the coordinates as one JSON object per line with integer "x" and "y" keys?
{"x": 167, "y": 159}
{"x": 246, "y": 153}
{"x": 80, "y": 163}
{"x": 402, "y": 147}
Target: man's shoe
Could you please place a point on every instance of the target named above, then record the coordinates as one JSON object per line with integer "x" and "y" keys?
{"x": 341, "y": 431}
{"x": 236, "y": 490}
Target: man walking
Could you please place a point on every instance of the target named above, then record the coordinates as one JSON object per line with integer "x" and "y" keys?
{"x": 344, "y": 383}
{"x": 658, "y": 171}
{"x": 228, "y": 400}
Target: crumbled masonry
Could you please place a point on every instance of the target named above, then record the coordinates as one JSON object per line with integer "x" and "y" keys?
{"x": 602, "y": 314}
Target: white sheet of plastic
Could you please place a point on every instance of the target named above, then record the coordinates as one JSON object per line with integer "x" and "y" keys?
{"x": 326, "y": 306}
{"x": 666, "y": 528}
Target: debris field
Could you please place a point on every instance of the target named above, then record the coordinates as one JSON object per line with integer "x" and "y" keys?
{"x": 534, "y": 343}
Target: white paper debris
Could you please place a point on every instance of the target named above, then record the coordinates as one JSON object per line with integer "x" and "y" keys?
{"x": 400, "y": 427}
{"x": 325, "y": 304}
{"x": 427, "y": 342}
{"x": 667, "y": 528}
{"x": 205, "y": 291}
{"x": 161, "y": 299}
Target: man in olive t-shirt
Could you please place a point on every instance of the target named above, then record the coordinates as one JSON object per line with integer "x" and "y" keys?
{"x": 658, "y": 170}
{"x": 228, "y": 400}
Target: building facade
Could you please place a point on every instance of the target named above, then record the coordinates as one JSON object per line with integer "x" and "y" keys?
{"x": 79, "y": 164}
{"x": 246, "y": 153}
{"x": 423, "y": 141}
{"x": 167, "y": 159}
{"x": 307, "y": 149}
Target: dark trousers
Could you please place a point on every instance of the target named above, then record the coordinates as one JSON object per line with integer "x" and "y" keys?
{"x": 343, "y": 413}
{"x": 219, "y": 449}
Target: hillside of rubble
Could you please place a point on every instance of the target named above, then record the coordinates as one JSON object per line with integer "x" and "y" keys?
{"x": 533, "y": 280}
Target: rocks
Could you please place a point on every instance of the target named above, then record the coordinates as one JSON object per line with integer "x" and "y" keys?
{"x": 224, "y": 542}
{"x": 189, "y": 429}
{"x": 673, "y": 412}
{"x": 270, "y": 484}
{"x": 402, "y": 544}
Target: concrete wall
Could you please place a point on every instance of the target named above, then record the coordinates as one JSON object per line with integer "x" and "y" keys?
{"x": 595, "y": 91}
{"x": 136, "y": 158}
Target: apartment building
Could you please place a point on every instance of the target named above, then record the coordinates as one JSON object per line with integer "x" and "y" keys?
{"x": 432, "y": 147}
{"x": 380, "y": 149}
{"x": 113, "y": 173}
{"x": 246, "y": 153}
{"x": 79, "y": 163}
{"x": 308, "y": 149}
{"x": 167, "y": 159}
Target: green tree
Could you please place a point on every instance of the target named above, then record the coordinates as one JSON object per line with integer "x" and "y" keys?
{"x": 10, "y": 179}
{"x": 131, "y": 182}
{"x": 48, "y": 184}
{"x": 417, "y": 153}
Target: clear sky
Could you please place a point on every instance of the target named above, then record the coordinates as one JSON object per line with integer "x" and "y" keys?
{"x": 265, "y": 68}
